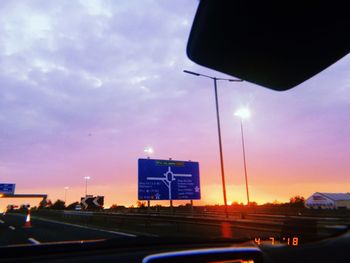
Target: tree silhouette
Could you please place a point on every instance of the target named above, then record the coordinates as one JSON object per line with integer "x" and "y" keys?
{"x": 297, "y": 201}
{"x": 45, "y": 203}
{"x": 72, "y": 206}
{"x": 58, "y": 205}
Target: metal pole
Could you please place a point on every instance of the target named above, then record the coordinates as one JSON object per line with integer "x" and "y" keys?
{"x": 65, "y": 195}
{"x": 86, "y": 187}
{"x": 220, "y": 147}
{"x": 245, "y": 164}
{"x": 170, "y": 197}
{"x": 219, "y": 132}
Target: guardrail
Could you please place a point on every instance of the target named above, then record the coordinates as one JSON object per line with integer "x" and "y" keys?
{"x": 173, "y": 224}
{"x": 237, "y": 212}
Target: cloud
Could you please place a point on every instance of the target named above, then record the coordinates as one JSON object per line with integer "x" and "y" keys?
{"x": 86, "y": 85}
{"x": 76, "y": 76}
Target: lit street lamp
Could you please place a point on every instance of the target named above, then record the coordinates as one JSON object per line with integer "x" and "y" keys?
{"x": 149, "y": 151}
{"x": 219, "y": 130}
{"x": 65, "y": 194}
{"x": 243, "y": 114}
{"x": 86, "y": 181}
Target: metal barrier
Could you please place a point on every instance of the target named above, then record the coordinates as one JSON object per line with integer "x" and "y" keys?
{"x": 158, "y": 223}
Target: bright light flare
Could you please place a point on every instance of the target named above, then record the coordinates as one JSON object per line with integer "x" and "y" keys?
{"x": 148, "y": 150}
{"x": 87, "y": 177}
{"x": 243, "y": 113}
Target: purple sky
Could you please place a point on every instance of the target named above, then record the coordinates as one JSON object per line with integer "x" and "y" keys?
{"x": 86, "y": 85}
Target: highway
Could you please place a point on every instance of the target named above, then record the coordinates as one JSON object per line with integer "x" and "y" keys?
{"x": 13, "y": 232}
{"x": 43, "y": 230}
{"x": 61, "y": 226}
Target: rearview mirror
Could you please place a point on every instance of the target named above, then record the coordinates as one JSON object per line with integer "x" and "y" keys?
{"x": 274, "y": 44}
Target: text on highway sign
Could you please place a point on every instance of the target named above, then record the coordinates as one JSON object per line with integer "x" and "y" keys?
{"x": 168, "y": 180}
{"x": 8, "y": 189}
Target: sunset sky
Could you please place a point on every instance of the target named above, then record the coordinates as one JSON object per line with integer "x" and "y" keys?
{"x": 85, "y": 86}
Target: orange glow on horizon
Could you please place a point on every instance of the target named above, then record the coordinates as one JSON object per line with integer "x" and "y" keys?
{"x": 211, "y": 194}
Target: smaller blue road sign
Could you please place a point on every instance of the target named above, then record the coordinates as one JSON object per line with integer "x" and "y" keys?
{"x": 8, "y": 189}
{"x": 168, "y": 180}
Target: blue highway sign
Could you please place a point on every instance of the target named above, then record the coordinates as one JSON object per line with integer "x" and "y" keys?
{"x": 168, "y": 180}
{"x": 8, "y": 189}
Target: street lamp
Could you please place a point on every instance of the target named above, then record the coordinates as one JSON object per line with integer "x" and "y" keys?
{"x": 86, "y": 181}
{"x": 219, "y": 130}
{"x": 243, "y": 114}
{"x": 149, "y": 151}
{"x": 65, "y": 194}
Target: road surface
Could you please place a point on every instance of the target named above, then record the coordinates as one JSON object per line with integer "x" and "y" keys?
{"x": 13, "y": 232}
{"x": 43, "y": 230}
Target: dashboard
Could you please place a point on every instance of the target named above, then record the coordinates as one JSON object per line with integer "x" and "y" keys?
{"x": 152, "y": 250}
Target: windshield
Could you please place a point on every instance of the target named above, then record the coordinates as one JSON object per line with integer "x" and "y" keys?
{"x": 103, "y": 135}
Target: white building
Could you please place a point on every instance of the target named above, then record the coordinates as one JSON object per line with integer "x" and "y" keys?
{"x": 328, "y": 201}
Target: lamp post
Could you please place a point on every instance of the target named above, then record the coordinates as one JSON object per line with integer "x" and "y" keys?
{"x": 86, "y": 181}
{"x": 244, "y": 113}
{"x": 219, "y": 129}
{"x": 149, "y": 151}
{"x": 65, "y": 194}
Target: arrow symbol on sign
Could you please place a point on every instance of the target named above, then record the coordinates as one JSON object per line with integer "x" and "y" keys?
{"x": 168, "y": 178}
{"x": 95, "y": 201}
{"x": 83, "y": 202}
